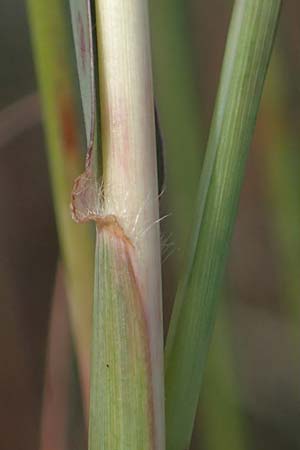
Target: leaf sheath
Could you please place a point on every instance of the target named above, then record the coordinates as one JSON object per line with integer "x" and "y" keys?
{"x": 120, "y": 383}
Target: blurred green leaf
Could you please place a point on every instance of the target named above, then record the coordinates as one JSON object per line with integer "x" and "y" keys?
{"x": 51, "y": 38}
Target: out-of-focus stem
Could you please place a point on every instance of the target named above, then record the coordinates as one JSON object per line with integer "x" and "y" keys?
{"x": 50, "y": 31}
{"x": 54, "y": 417}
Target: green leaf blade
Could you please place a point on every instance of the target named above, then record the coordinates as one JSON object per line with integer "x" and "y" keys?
{"x": 83, "y": 42}
{"x": 246, "y": 59}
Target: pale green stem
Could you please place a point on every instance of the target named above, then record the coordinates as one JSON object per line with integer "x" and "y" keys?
{"x": 129, "y": 413}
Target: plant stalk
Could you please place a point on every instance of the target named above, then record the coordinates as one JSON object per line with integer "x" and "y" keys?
{"x": 127, "y": 395}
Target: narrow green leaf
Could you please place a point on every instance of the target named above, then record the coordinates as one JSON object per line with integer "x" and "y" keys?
{"x": 247, "y": 54}
{"x": 180, "y": 116}
{"x": 83, "y": 42}
{"x": 85, "y": 195}
{"x": 85, "y": 50}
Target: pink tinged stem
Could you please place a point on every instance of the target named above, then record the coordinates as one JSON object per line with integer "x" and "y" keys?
{"x": 129, "y": 162}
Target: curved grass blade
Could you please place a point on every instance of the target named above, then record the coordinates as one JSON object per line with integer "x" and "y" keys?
{"x": 247, "y": 54}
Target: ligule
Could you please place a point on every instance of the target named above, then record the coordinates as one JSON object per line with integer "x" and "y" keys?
{"x": 121, "y": 410}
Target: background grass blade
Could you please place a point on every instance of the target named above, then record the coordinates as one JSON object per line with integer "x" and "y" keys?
{"x": 247, "y": 54}
{"x": 51, "y": 38}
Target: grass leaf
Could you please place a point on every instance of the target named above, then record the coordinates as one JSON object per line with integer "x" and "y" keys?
{"x": 247, "y": 54}
{"x": 84, "y": 49}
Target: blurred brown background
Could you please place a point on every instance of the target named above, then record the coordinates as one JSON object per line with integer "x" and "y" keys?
{"x": 261, "y": 297}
